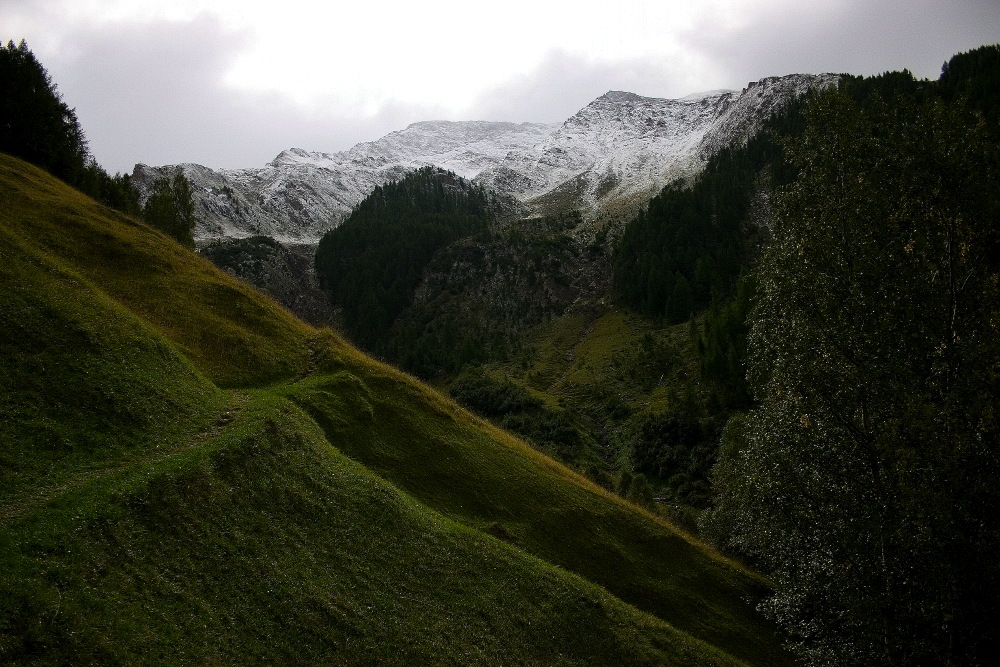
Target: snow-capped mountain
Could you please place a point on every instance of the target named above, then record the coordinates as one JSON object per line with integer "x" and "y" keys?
{"x": 620, "y": 148}
{"x": 624, "y": 148}
{"x": 301, "y": 194}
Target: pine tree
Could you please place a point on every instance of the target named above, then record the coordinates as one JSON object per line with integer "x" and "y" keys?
{"x": 170, "y": 208}
{"x": 35, "y": 124}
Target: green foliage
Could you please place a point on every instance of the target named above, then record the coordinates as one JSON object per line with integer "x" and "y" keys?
{"x": 115, "y": 191}
{"x": 170, "y": 208}
{"x": 480, "y": 288}
{"x": 973, "y": 77}
{"x": 491, "y": 397}
{"x": 640, "y": 492}
{"x": 514, "y": 408}
{"x": 372, "y": 263}
{"x": 624, "y": 484}
{"x": 677, "y": 448}
{"x": 722, "y": 346}
{"x": 612, "y": 376}
{"x": 481, "y": 294}
{"x": 864, "y": 480}
{"x": 231, "y": 252}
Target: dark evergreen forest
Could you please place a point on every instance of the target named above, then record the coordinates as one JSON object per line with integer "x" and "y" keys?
{"x": 862, "y": 478}
{"x": 372, "y": 263}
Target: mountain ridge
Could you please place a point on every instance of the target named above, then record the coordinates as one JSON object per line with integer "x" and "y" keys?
{"x": 621, "y": 147}
{"x": 625, "y": 147}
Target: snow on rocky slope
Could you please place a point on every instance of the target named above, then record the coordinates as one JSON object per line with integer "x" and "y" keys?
{"x": 619, "y": 148}
{"x": 622, "y": 147}
{"x": 301, "y": 194}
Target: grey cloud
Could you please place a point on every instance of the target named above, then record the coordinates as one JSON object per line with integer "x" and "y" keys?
{"x": 861, "y": 37}
{"x": 563, "y": 83}
{"x": 857, "y": 37}
{"x": 155, "y": 93}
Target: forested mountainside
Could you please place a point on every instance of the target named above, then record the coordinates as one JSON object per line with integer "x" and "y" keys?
{"x": 865, "y": 331}
{"x": 872, "y": 360}
{"x": 530, "y": 296}
{"x": 372, "y": 263}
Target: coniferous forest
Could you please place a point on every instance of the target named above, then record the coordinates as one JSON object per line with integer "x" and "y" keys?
{"x": 371, "y": 264}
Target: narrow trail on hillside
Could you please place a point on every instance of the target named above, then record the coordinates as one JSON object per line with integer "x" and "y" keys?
{"x": 313, "y": 349}
{"x": 571, "y": 353}
{"x": 20, "y": 506}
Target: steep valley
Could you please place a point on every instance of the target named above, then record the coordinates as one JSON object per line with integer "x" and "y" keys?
{"x": 697, "y": 381}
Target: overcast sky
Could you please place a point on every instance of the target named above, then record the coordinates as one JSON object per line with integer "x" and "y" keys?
{"x": 231, "y": 83}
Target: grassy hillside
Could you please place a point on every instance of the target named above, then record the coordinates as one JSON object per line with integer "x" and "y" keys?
{"x": 224, "y": 327}
{"x": 66, "y": 345}
{"x": 188, "y": 474}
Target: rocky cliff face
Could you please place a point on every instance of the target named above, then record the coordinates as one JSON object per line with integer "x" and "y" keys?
{"x": 286, "y": 273}
{"x": 618, "y": 150}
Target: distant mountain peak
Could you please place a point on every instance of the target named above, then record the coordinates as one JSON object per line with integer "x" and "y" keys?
{"x": 618, "y": 96}
{"x": 292, "y": 156}
{"x": 623, "y": 147}
{"x": 697, "y": 97}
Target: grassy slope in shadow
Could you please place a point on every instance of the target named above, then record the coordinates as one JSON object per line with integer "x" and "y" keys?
{"x": 197, "y": 525}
